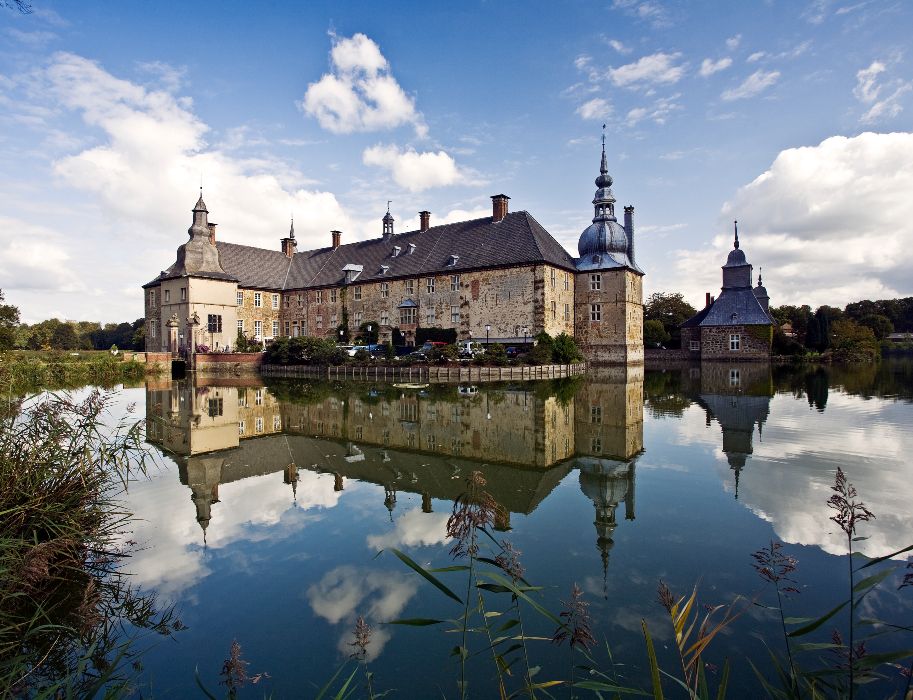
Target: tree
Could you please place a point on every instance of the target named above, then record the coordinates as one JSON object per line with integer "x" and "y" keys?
{"x": 9, "y": 320}
{"x": 671, "y": 310}
{"x": 654, "y": 333}
{"x": 853, "y": 341}
{"x": 64, "y": 337}
{"x": 566, "y": 350}
{"x": 881, "y": 325}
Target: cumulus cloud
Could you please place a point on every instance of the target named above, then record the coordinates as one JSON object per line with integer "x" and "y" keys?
{"x": 413, "y": 528}
{"x": 709, "y": 66}
{"x": 869, "y": 88}
{"x": 732, "y": 43}
{"x": 359, "y": 93}
{"x": 658, "y": 112}
{"x": 412, "y": 170}
{"x": 619, "y": 47}
{"x": 34, "y": 258}
{"x": 829, "y": 223}
{"x": 597, "y": 108}
{"x": 657, "y": 68}
{"x": 754, "y": 84}
{"x": 649, "y": 11}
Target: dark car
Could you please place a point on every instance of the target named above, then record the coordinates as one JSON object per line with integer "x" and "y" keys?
{"x": 513, "y": 351}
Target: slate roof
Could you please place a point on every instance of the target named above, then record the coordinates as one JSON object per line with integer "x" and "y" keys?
{"x": 518, "y": 239}
{"x": 733, "y": 307}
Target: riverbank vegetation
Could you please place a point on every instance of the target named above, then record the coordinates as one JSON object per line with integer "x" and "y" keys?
{"x": 69, "y": 618}
{"x": 23, "y": 371}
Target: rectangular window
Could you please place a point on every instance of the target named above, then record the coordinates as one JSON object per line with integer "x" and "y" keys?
{"x": 299, "y": 301}
{"x": 241, "y": 325}
{"x": 275, "y": 301}
{"x": 695, "y": 345}
{"x": 554, "y": 311}
{"x": 454, "y": 314}
{"x": 152, "y": 297}
{"x": 384, "y": 318}
{"x": 214, "y": 323}
{"x": 277, "y": 422}
{"x": 595, "y": 312}
{"x": 333, "y": 295}
{"x": 258, "y": 329}
{"x": 152, "y": 329}
{"x": 595, "y": 414}
{"x": 258, "y": 300}
{"x": 410, "y": 287}
{"x": 553, "y": 277}
{"x": 287, "y": 300}
{"x": 288, "y": 329}
{"x": 384, "y": 290}
{"x": 275, "y": 329}
{"x": 167, "y": 296}
{"x": 407, "y": 316}
{"x": 318, "y": 296}
{"x": 735, "y": 377}
{"x": 319, "y": 322}
{"x": 183, "y": 293}
{"x": 429, "y": 284}
{"x": 356, "y": 293}
{"x": 567, "y": 281}
{"x": 735, "y": 341}
{"x": 215, "y": 407}
{"x": 334, "y": 320}
{"x": 357, "y": 318}
{"x": 241, "y": 427}
{"x": 454, "y": 283}
{"x": 567, "y": 312}
{"x": 259, "y": 424}
{"x": 430, "y": 317}
{"x": 240, "y": 298}
{"x": 595, "y": 282}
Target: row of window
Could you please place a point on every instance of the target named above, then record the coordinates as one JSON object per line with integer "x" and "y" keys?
{"x": 258, "y": 299}
{"x": 567, "y": 279}
{"x": 258, "y": 328}
{"x": 258, "y": 423}
{"x": 167, "y": 296}
{"x": 735, "y": 342}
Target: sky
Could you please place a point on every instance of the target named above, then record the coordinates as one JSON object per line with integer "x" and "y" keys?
{"x": 792, "y": 117}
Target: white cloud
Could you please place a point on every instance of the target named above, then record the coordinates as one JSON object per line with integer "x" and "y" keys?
{"x": 412, "y": 170}
{"x": 658, "y": 112}
{"x": 829, "y": 223}
{"x": 646, "y": 10}
{"x": 359, "y": 94}
{"x": 34, "y": 258}
{"x": 732, "y": 43}
{"x": 709, "y": 66}
{"x": 413, "y": 528}
{"x": 756, "y": 56}
{"x": 597, "y": 108}
{"x": 619, "y": 47}
{"x": 754, "y": 84}
{"x": 868, "y": 89}
{"x": 657, "y": 68}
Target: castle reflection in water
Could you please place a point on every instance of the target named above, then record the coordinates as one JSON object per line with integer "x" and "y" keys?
{"x": 524, "y": 439}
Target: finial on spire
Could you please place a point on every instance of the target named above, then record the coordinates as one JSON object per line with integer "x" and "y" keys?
{"x": 389, "y": 202}
{"x": 603, "y": 168}
{"x": 759, "y": 276}
{"x": 736, "y": 224}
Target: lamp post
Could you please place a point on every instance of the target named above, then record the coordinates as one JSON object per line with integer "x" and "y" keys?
{"x": 487, "y": 332}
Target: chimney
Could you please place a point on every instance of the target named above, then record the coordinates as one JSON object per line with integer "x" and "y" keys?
{"x": 289, "y": 246}
{"x": 707, "y": 301}
{"x": 629, "y": 229}
{"x": 498, "y": 207}
{"x": 336, "y": 236}
{"x": 212, "y": 233}
{"x": 425, "y": 218}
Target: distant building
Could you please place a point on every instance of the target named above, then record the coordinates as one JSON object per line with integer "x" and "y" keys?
{"x": 737, "y": 324}
{"x": 501, "y": 278}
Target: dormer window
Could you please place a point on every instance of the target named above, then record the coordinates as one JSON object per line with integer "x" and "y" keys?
{"x": 411, "y": 248}
{"x": 396, "y": 250}
{"x": 454, "y": 259}
{"x": 384, "y": 269}
{"x": 352, "y": 271}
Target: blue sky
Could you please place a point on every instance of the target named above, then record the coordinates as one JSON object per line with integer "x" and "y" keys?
{"x": 793, "y": 117}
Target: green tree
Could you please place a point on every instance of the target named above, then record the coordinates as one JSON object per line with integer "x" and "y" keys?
{"x": 543, "y": 350}
{"x": 566, "y": 350}
{"x": 671, "y": 310}
{"x": 881, "y": 325}
{"x": 64, "y": 337}
{"x": 655, "y": 334}
{"x": 9, "y": 321}
{"x": 851, "y": 341}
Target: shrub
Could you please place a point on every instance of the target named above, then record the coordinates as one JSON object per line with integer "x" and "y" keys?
{"x": 566, "y": 350}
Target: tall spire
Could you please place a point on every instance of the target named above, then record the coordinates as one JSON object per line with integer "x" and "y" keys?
{"x": 736, "y": 225}
{"x": 291, "y": 231}
{"x": 759, "y": 276}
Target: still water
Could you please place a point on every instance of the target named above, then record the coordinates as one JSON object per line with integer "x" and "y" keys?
{"x": 264, "y": 519}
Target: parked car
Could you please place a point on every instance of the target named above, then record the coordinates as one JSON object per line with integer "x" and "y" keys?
{"x": 513, "y": 351}
{"x": 431, "y": 344}
{"x": 468, "y": 349}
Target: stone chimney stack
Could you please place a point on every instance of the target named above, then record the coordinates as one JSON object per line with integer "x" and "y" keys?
{"x": 212, "y": 233}
{"x": 707, "y": 301}
{"x": 289, "y": 244}
{"x": 629, "y": 229}
{"x": 337, "y": 235}
{"x": 425, "y": 219}
{"x": 498, "y": 207}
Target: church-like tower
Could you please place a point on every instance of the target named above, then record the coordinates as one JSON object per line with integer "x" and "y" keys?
{"x": 608, "y": 292}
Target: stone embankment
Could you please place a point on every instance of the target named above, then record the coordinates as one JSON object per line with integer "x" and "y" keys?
{"x": 431, "y": 373}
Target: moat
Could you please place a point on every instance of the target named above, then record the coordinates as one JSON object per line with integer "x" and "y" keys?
{"x": 274, "y": 498}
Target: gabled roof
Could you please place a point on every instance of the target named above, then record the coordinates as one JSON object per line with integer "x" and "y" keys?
{"x": 517, "y": 239}
{"x": 733, "y": 307}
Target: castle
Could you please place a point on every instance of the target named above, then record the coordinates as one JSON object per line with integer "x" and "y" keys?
{"x": 500, "y": 279}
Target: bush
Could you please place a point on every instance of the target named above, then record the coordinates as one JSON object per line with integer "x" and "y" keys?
{"x": 566, "y": 350}
{"x": 305, "y": 350}
{"x": 496, "y": 354}
{"x": 362, "y": 355}
{"x": 542, "y": 351}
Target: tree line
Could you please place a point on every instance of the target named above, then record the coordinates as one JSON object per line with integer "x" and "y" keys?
{"x": 54, "y": 334}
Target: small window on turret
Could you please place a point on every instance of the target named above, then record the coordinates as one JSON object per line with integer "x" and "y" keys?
{"x": 595, "y": 282}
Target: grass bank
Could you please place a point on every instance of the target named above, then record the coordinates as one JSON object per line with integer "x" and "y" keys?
{"x": 23, "y": 371}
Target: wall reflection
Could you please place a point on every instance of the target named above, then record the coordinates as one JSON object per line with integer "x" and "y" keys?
{"x": 524, "y": 439}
